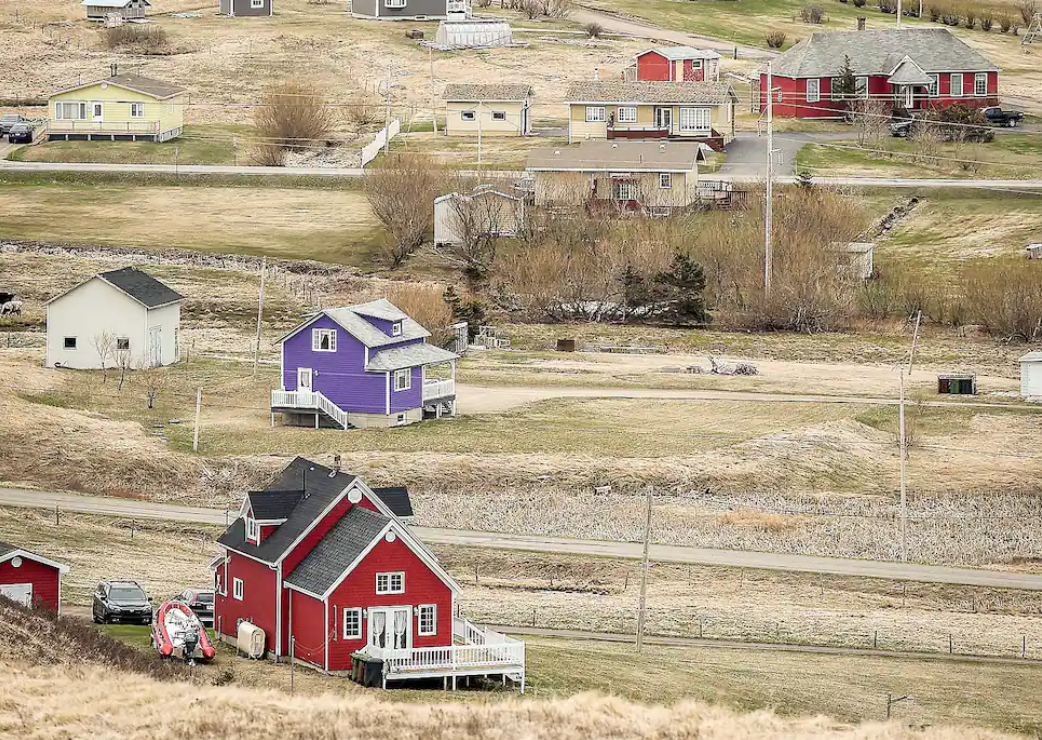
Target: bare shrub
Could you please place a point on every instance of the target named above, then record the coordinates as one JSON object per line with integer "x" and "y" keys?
{"x": 153, "y": 381}
{"x": 104, "y": 344}
{"x": 426, "y": 305}
{"x": 812, "y": 14}
{"x": 1027, "y": 10}
{"x": 934, "y": 10}
{"x": 951, "y": 16}
{"x": 926, "y": 139}
{"x": 1005, "y": 22}
{"x": 593, "y": 30}
{"x": 479, "y": 216}
{"x": 969, "y": 16}
{"x": 775, "y": 39}
{"x": 532, "y": 9}
{"x": 871, "y": 121}
{"x": 987, "y": 20}
{"x": 364, "y": 111}
{"x": 1005, "y": 298}
{"x": 293, "y": 114}
{"x": 147, "y": 40}
{"x": 557, "y": 8}
{"x": 482, "y": 3}
{"x": 401, "y": 194}
{"x": 887, "y": 6}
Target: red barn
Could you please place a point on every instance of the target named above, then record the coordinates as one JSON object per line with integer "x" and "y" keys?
{"x": 30, "y": 579}
{"x": 915, "y": 69}
{"x": 328, "y": 569}
{"x": 674, "y": 64}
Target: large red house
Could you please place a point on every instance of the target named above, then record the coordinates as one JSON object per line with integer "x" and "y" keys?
{"x": 327, "y": 568}
{"x": 914, "y": 69}
{"x": 674, "y": 64}
{"x": 30, "y": 579}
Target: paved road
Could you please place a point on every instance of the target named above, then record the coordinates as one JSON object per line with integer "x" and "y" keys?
{"x": 559, "y": 545}
{"x": 747, "y": 154}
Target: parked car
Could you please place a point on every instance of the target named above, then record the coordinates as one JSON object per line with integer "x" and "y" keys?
{"x": 998, "y": 117}
{"x": 121, "y": 601}
{"x": 200, "y": 601}
{"x": 7, "y": 120}
{"x": 902, "y": 127}
{"x": 21, "y": 133}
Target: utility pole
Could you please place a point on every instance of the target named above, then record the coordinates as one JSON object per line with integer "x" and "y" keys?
{"x": 767, "y": 255}
{"x": 642, "y": 610}
{"x": 434, "y": 110}
{"x": 898, "y": 13}
{"x": 904, "y": 487}
{"x": 260, "y": 315}
{"x": 915, "y": 342}
{"x": 198, "y": 408}
{"x": 387, "y": 112}
{"x": 479, "y": 133}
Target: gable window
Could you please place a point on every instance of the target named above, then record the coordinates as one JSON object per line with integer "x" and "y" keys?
{"x": 861, "y": 87}
{"x": 122, "y": 344}
{"x": 69, "y": 343}
{"x": 468, "y": 115}
{"x": 252, "y": 529}
{"x": 390, "y": 583}
{"x": 499, "y": 115}
{"x": 626, "y": 114}
{"x": 70, "y": 111}
{"x": 813, "y": 90}
{"x": 595, "y": 114}
{"x": 956, "y": 86}
{"x": 353, "y": 623}
{"x": 323, "y": 340}
{"x": 396, "y": 329}
{"x": 427, "y": 620}
{"x": 256, "y": 3}
{"x": 403, "y": 379}
{"x": 980, "y": 84}
{"x": 137, "y": 110}
{"x": 934, "y": 88}
{"x": 237, "y": 589}
{"x": 394, "y": 3}
{"x": 665, "y": 180}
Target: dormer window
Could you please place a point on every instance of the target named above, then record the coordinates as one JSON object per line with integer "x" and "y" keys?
{"x": 252, "y": 529}
{"x": 396, "y": 329}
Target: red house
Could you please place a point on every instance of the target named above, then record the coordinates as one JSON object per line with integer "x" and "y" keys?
{"x": 674, "y": 64}
{"x": 328, "y": 569}
{"x": 915, "y": 69}
{"x": 30, "y": 579}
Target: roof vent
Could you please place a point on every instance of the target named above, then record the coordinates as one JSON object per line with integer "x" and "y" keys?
{"x": 114, "y": 69}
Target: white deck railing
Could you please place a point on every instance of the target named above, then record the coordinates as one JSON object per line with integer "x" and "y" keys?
{"x": 453, "y": 658}
{"x": 433, "y": 389}
{"x": 309, "y": 400}
{"x": 466, "y": 632}
{"x": 62, "y": 125}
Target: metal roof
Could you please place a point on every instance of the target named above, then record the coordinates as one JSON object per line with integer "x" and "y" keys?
{"x": 630, "y": 156}
{"x": 506, "y": 92}
{"x": 705, "y": 93}
{"x": 141, "y": 286}
{"x": 822, "y": 54}
{"x": 338, "y": 549}
{"x": 680, "y": 53}
{"x": 411, "y": 355}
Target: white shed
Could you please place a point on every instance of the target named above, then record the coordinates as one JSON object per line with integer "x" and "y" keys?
{"x": 1031, "y": 374}
{"x": 114, "y": 316}
{"x": 485, "y": 211}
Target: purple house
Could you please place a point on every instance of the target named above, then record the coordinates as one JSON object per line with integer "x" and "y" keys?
{"x": 363, "y": 366}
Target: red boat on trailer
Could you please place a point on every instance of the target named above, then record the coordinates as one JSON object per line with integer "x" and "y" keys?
{"x": 172, "y": 623}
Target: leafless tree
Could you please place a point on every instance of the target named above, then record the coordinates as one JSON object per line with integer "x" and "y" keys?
{"x": 293, "y": 114}
{"x": 104, "y": 344}
{"x": 153, "y": 379}
{"x": 479, "y": 216}
{"x": 401, "y": 194}
{"x": 870, "y": 121}
{"x": 532, "y": 8}
{"x": 926, "y": 140}
{"x": 557, "y": 8}
{"x": 125, "y": 362}
{"x": 1027, "y": 10}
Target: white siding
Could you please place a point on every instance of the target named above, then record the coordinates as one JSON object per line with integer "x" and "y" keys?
{"x": 169, "y": 319}
{"x": 1031, "y": 379}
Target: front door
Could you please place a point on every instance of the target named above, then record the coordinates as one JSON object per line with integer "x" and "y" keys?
{"x": 909, "y": 96}
{"x": 304, "y": 383}
{"x": 155, "y": 346}
{"x": 664, "y": 118}
{"x": 20, "y": 592}
{"x": 390, "y": 630}
{"x": 96, "y": 112}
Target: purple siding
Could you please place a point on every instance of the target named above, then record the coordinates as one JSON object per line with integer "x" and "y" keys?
{"x": 410, "y": 399}
{"x": 381, "y": 324}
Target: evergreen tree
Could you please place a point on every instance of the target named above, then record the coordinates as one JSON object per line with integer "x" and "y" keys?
{"x": 679, "y": 292}
{"x": 845, "y": 86}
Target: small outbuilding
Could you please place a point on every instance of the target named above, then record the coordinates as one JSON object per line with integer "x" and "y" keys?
{"x": 30, "y": 579}
{"x": 99, "y": 10}
{"x": 1031, "y": 374}
{"x": 486, "y": 211}
{"x": 246, "y": 7}
{"x": 114, "y": 316}
{"x": 491, "y": 110}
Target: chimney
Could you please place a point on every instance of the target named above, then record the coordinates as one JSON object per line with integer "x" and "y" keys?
{"x": 113, "y": 69}
{"x": 861, "y": 21}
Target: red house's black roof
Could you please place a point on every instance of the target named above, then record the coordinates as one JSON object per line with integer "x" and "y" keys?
{"x": 348, "y": 539}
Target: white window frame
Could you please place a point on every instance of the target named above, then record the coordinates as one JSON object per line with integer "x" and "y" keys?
{"x": 137, "y": 110}
{"x": 977, "y": 80}
{"x": 256, "y": 4}
{"x": 665, "y": 180}
{"x": 834, "y": 83}
{"x": 65, "y": 344}
{"x": 400, "y": 420}
{"x": 252, "y": 529}
{"x": 499, "y": 115}
{"x": 238, "y": 589}
{"x": 61, "y": 111}
{"x": 388, "y": 580}
{"x": 813, "y": 90}
{"x": 934, "y": 88}
{"x": 596, "y": 114}
{"x": 691, "y": 120}
{"x": 468, "y": 115}
{"x": 432, "y": 611}
{"x": 623, "y": 190}
{"x": 356, "y": 634}
{"x": 316, "y": 340}
{"x": 396, "y": 329}
{"x": 626, "y": 114}
{"x": 861, "y": 87}
{"x": 394, "y": 3}
{"x": 397, "y": 381}
{"x": 951, "y": 85}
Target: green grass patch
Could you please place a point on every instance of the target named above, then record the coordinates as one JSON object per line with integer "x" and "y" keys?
{"x": 159, "y": 179}
{"x": 224, "y": 144}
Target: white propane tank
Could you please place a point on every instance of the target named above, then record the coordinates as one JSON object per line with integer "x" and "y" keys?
{"x": 250, "y": 640}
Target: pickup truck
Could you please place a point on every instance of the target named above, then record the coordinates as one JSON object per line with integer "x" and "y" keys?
{"x": 998, "y": 117}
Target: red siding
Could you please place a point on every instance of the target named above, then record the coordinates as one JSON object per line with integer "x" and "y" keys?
{"x": 422, "y": 586}
{"x": 653, "y": 67}
{"x": 309, "y": 625}
{"x": 301, "y": 551}
{"x": 266, "y": 531}
{"x": 258, "y": 602}
{"x": 694, "y": 75}
{"x": 44, "y": 579}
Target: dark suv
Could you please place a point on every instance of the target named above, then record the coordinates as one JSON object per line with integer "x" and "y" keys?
{"x": 200, "y": 601}
{"x": 121, "y": 601}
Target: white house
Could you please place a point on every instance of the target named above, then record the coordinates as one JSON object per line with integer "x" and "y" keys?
{"x": 485, "y": 211}
{"x": 1031, "y": 374}
{"x": 114, "y": 315}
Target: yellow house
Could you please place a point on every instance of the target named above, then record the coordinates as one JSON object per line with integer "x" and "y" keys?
{"x": 692, "y": 111}
{"x": 489, "y": 110}
{"x": 648, "y": 176}
{"x": 122, "y": 107}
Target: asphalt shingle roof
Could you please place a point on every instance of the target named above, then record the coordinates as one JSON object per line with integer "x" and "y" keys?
{"x": 630, "y": 156}
{"x": 268, "y": 505}
{"x": 352, "y": 319}
{"x": 706, "y": 93}
{"x": 411, "y": 355}
{"x": 396, "y": 498}
{"x": 909, "y": 73}
{"x": 822, "y": 54}
{"x": 147, "y": 85}
{"x": 348, "y": 539}
{"x": 6, "y": 548}
{"x": 506, "y": 92}
{"x": 142, "y": 287}
{"x": 679, "y": 53}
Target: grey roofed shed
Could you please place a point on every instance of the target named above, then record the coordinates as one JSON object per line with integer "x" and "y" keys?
{"x": 497, "y": 93}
